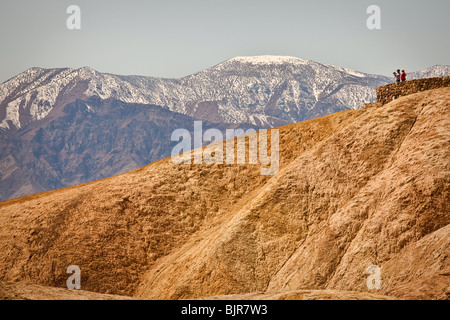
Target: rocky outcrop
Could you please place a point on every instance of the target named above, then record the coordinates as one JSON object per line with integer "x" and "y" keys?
{"x": 390, "y": 92}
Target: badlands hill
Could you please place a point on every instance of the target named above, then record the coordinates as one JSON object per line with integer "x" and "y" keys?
{"x": 21, "y": 291}
{"x": 355, "y": 188}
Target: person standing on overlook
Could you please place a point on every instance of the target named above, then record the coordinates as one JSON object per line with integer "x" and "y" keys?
{"x": 403, "y": 75}
{"x": 397, "y": 75}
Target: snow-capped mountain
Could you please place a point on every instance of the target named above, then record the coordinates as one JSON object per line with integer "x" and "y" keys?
{"x": 34, "y": 93}
{"x": 271, "y": 90}
{"x": 263, "y": 90}
{"x": 431, "y": 72}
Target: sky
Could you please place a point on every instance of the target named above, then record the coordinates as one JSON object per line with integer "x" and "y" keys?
{"x": 173, "y": 39}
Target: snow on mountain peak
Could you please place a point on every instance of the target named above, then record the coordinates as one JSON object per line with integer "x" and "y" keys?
{"x": 268, "y": 59}
{"x": 86, "y": 72}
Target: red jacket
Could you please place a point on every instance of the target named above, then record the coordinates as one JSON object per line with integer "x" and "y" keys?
{"x": 403, "y": 77}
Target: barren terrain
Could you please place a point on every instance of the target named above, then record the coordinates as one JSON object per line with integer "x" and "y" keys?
{"x": 354, "y": 189}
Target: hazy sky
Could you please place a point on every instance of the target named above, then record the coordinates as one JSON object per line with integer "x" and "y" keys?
{"x": 177, "y": 38}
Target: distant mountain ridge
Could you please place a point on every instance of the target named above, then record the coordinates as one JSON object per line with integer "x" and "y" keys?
{"x": 262, "y": 90}
{"x": 431, "y": 72}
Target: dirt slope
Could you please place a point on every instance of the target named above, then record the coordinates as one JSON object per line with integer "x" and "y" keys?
{"x": 354, "y": 189}
{"x": 303, "y": 295}
{"x": 20, "y": 291}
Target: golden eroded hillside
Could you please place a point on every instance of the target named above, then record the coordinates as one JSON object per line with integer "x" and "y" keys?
{"x": 354, "y": 189}
{"x": 20, "y": 291}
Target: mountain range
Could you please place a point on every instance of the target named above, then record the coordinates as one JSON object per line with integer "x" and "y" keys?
{"x": 60, "y": 127}
{"x": 262, "y": 90}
